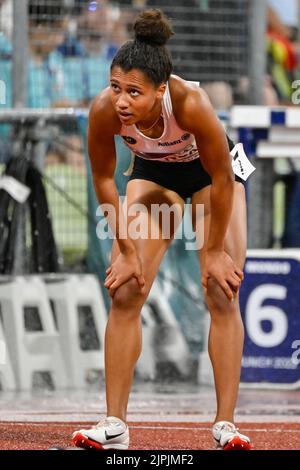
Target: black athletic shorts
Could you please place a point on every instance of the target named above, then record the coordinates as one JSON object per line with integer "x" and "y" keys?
{"x": 184, "y": 178}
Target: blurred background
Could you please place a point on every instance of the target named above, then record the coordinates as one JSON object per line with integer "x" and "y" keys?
{"x": 55, "y": 58}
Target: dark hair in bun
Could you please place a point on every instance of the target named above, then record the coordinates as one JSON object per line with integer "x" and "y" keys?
{"x": 152, "y": 27}
{"x": 147, "y": 52}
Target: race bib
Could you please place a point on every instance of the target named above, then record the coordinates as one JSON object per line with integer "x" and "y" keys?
{"x": 241, "y": 165}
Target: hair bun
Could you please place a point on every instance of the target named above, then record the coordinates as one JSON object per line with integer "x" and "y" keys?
{"x": 152, "y": 27}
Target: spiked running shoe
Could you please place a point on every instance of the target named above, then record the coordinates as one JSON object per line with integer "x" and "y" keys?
{"x": 110, "y": 433}
{"x": 227, "y": 437}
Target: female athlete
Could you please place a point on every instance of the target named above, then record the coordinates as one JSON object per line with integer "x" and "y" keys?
{"x": 180, "y": 151}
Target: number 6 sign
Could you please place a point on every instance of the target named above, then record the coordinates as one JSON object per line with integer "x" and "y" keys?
{"x": 270, "y": 307}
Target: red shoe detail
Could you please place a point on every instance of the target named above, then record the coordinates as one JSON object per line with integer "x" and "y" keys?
{"x": 237, "y": 444}
{"x": 79, "y": 440}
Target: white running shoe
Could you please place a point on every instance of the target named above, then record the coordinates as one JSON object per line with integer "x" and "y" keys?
{"x": 110, "y": 433}
{"x": 227, "y": 437}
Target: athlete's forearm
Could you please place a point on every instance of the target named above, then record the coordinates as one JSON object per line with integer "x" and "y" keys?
{"x": 221, "y": 200}
{"x": 109, "y": 198}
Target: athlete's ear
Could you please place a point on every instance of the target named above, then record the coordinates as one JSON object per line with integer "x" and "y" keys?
{"x": 161, "y": 90}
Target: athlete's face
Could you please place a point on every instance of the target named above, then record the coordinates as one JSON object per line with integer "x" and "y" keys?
{"x": 134, "y": 96}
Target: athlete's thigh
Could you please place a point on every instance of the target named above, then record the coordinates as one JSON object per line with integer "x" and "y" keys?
{"x": 150, "y": 233}
{"x": 236, "y": 235}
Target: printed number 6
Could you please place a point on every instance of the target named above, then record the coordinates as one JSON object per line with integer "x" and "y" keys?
{"x": 256, "y": 313}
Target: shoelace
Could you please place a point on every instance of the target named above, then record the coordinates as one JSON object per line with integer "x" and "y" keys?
{"x": 103, "y": 422}
{"x": 232, "y": 429}
{"x": 229, "y": 428}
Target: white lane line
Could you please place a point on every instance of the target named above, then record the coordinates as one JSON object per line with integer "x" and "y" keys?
{"x": 165, "y": 428}
{"x": 181, "y": 428}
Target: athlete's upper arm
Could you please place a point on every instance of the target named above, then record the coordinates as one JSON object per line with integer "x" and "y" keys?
{"x": 197, "y": 116}
{"x": 101, "y": 145}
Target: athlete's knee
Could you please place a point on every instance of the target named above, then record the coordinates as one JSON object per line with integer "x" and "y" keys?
{"x": 217, "y": 301}
{"x": 129, "y": 296}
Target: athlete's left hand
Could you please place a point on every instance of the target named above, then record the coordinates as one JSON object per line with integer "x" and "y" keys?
{"x": 220, "y": 267}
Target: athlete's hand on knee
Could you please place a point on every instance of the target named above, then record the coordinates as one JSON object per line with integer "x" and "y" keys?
{"x": 125, "y": 267}
{"x": 220, "y": 267}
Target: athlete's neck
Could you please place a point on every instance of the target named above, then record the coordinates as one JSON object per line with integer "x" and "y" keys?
{"x": 152, "y": 120}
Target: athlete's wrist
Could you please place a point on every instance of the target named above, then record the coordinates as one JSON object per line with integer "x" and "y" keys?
{"x": 127, "y": 248}
{"x": 215, "y": 248}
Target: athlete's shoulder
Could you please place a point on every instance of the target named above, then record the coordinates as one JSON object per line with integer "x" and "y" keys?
{"x": 182, "y": 90}
{"x": 103, "y": 114}
{"x": 189, "y": 101}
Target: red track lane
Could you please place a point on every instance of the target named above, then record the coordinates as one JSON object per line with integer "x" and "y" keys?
{"x": 150, "y": 436}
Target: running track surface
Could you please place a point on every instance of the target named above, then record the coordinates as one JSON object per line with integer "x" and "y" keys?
{"x": 153, "y": 436}
{"x": 158, "y": 420}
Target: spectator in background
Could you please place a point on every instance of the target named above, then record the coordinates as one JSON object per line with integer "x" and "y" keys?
{"x": 71, "y": 47}
{"x": 59, "y": 76}
{"x": 53, "y": 81}
{"x": 5, "y": 42}
{"x": 287, "y": 11}
{"x": 48, "y": 84}
{"x": 83, "y": 49}
{"x": 105, "y": 23}
{"x": 6, "y": 20}
{"x": 91, "y": 33}
{"x": 5, "y": 72}
{"x": 283, "y": 44}
{"x": 283, "y": 63}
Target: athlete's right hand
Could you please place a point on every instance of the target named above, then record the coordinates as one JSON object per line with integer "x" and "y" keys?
{"x": 125, "y": 267}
